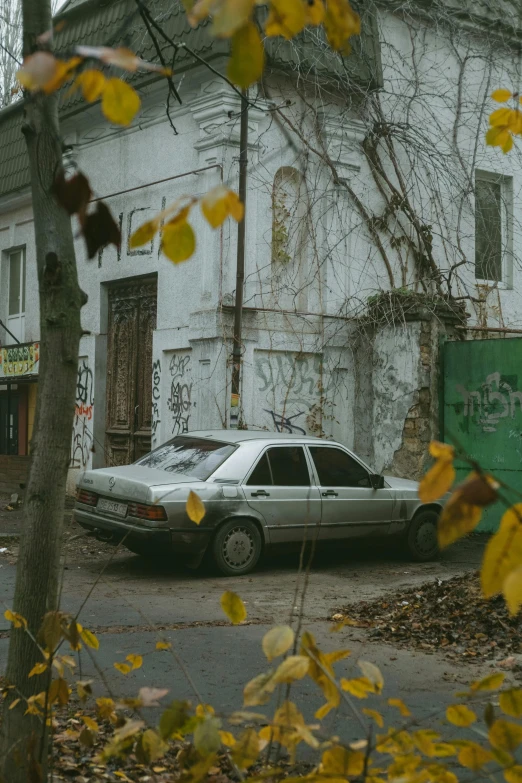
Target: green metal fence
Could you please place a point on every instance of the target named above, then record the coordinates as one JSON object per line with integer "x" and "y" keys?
{"x": 482, "y": 411}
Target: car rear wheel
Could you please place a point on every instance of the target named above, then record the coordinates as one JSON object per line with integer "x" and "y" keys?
{"x": 236, "y": 547}
{"x": 421, "y": 537}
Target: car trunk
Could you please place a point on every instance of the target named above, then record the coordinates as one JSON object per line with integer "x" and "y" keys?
{"x": 131, "y": 482}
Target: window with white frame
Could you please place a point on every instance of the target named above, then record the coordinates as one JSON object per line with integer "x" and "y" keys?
{"x": 493, "y": 228}
{"x": 16, "y": 293}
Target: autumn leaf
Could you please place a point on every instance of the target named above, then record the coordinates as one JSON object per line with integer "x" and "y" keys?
{"x": 473, "y": 756}
{"x": 89, "y": 639}
{"x": 178, "y": 241}
{"x": 503, "y": 553}
{"x": 124, "y": 668}
{"x": 512, "y": 589}
{"x": 149, "y": 697}
{"x": 479, "y": 489}
{"x": 510, "y": 702}
{"x": 295, "y": 667}
{"x": 505, "y": 735}
{"x": 403, "y": 709}
{"x": 441, "y": 475}
{"x": 490, "y": 682}
{"x": 38, "y": 668}
{"x": 90, "y": 723}
{"x": 277, "y": 641}
{"x": 340, "y": 23}
{"x": 513, "y": 774}
{"x": 376, "y": 716}
{"x": 84, "y": 690}
{"x": 136, "y": 661}
{"x": 247, "y": 56}
{"x": 233, "y": 607}
{"x": 100, "y": 229}
{"x": 42, "y": 71}
{"x": 360, "y": 687}
{"x": 246, "y": 750}
{"x": 315, "y": 12}
{"x": 163, "y": 645}
{"x": 286, "y": 18}
{"x": 457, "y": 520}
{"x": 91, "y": 83}
{"x": 195, "y": 508}
{"x": 144, "y": 234}
{"x": 59, "y": 691}
{"x": 227, "y": 739}
{"x": 219, "y": 203}
{"x": 340, "y": 762}
{"x": 501, "y": 95}
{"x": 16, "y": 619}
{"x": 73, "y": 193}
{"x": 206, "y": 736}
{"x": 460, "y": 715}
{"x": 373, "y": 674}
{"x": 259, "y": 689}
{"x": 499, "y": 136}
{"x": 120, "y": 102}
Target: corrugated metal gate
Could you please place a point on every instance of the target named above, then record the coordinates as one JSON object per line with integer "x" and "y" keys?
{"x": 482, "y": 410}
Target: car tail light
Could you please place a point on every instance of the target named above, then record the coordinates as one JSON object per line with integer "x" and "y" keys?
{"x": 86, "y": 497}
{"x": 142, "y": 511}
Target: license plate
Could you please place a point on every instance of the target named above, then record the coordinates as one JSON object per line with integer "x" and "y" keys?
{"x": 112, "y": 507}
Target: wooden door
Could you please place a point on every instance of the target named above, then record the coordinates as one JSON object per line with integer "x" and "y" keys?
{"x": 132, "y": 319}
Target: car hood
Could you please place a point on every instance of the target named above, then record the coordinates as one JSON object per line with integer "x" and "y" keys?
{"x": 398, "y": 483}
{"x": 130, "y": 481}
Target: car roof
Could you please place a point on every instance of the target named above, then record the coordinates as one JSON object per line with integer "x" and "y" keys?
{"x": 239, "y": 436}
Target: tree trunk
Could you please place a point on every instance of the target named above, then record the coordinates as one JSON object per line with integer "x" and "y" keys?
{"x": 24, "y": 742}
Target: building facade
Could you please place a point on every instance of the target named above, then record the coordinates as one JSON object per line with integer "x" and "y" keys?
{"x": 377, "y": 224}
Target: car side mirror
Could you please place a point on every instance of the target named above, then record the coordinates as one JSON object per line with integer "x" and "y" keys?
{"x": 376, "y": 481}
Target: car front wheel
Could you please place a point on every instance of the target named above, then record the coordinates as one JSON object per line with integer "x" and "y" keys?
{"x": 236, "y": 547}
{"x": 421, "y": 537}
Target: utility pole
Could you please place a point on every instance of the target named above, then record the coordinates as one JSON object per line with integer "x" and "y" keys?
{"x": 237, "y": 343}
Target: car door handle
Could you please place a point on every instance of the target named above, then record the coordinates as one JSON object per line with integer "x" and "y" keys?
{"x": 260, "y": 494}
{"x": 330, "y": 493}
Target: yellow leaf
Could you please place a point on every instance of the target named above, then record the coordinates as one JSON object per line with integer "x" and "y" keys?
{"x": 503, "y": 553}
{"x": 136, "y": 661}
{"x": 195, "y": 508}
{"x": 124, "y": 668}
{"x": 510, "y": 702}
{"x": 439, "y": 478}
{"x": 203, "y": 710}
{"x": 246, "y": 750}
{"x": 512, "y": 589}
{"x": 163, "y": 645}
{"x": 89, "y": 639}
{"x": 295, "y": 667}
{"x": 340, "y": 23}
{"x": 247, "y": 56}
{"x": 360, "y": 688}
{"x": 501, "y": 117}
{"x": 91, "y": 83}
{"x": 90, "y": 723}
{"x": 372, "y": 673}
{"x": 286, "y": 18}
{"x": 59, "y": 691}
{"x": 16, "y": 619}
{"x": 505, "y": 735}
{"x": 457, "y": 520}
{"x": 473, "y": 756}
{"x": 258, "y": 690}
{"x": 144, "y": 233}
{"x": 153, "y": 746}
{"x": 233, "y": 607}
{"x": 400, "y": 706}
{"x": 227, "y": 739}
{"x": 489, "y": 683}
{"x": 14, "y": 703}
{"x": 105, "y": 706}
{"x": 501, "y": 96}
{"x": 178, "y": 241}
{"x": 120, "y": 102}
{"x": 443, "y": 749}
{"x": 340, "y": 762}
{"x": 460, "y": 715}
{"x": 377, "y": 717}
{"x": 84, "y": 689}
{"x": 219, "y": 203}
{"x": 513, "y": 774}
{"x": 227, "y": 17}
{"x": 315, "y": 12}
{"x": 277, "y": 641}
{"x": 38, "y": 668}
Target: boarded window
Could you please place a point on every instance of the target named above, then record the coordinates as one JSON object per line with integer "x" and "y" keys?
{"x": 491, "y": 226}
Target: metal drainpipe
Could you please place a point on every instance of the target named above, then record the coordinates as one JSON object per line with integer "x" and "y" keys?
{"x": 235, "y": 397}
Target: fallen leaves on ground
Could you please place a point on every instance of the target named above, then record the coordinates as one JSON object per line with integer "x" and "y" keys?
{"x": 449, "y": 615}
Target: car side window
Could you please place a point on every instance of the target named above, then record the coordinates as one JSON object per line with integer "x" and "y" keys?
{"x": 261, "y": 473}
{"x": 336, "y": 468}
{"x": 289, "y": 466}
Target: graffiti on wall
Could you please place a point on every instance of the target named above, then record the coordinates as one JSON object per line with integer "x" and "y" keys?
{"x": 496, "y": 399}
{"x": 82, "y": 437}
{"x": 180, "y": 402}
{"x": 156, "y": 397}
{"x": 288, "y": 391}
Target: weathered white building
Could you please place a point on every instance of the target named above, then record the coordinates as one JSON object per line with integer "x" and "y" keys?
{"x": 376, "y": 217}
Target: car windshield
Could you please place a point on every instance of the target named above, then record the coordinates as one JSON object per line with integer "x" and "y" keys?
{"x": 194, "y": 457}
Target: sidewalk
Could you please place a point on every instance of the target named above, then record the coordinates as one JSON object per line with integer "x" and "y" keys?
{"x": 11, "y": 521}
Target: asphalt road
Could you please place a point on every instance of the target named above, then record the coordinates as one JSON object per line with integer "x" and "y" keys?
{"x": 135, "y": 602}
